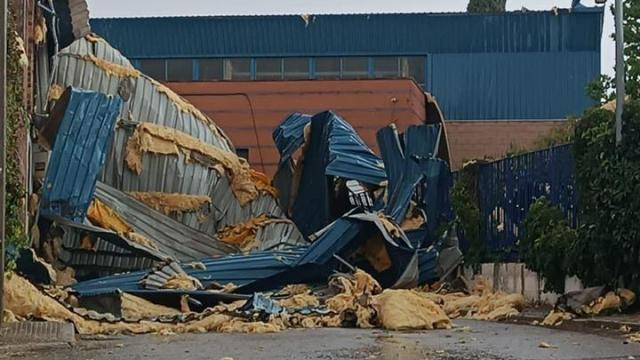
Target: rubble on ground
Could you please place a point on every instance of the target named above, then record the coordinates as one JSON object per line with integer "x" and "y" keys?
{"x": 157, "y": 226}
{"x": 350, "y": 300}
{"x": 589, "y": 302}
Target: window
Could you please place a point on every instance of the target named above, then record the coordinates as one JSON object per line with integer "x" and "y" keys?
{"x": 414, "y": 67}
{"x": 296, "y": 68}
{"x": 386, "y": 67}
{"x": 355, "y": 68}
{"x": 154, "y": 68}
{"x": 237, "y": 69}
{"x": 211, "y": 69}
{"x": 268, "y": 69}
{"x": 243, "y": 153}
{"x": 179, "y": 70}
{"x": 327, "y": 68}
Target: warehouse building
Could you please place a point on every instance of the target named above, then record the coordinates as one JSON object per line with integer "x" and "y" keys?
{"x": 501, "y": 79}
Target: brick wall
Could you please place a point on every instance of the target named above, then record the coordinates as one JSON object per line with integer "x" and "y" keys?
{"x": 492, "y": 139}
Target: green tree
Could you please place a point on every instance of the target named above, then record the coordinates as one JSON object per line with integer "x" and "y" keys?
{"x": 602, "y": 89}
{"x": 486, "y": 6}
{"x": 607, "y": 250}
{"x": 545, "y": 246}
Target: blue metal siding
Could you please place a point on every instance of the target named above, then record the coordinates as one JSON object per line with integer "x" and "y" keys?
{"x": 512, "y": 86}
{"x": 78, "y": 154}
{"x": 355, "y": 34}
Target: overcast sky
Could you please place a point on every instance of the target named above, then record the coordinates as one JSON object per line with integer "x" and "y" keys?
{"x": 144, "y": 8}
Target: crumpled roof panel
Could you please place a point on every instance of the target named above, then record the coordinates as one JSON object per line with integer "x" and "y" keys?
{"x": 91, "y": 63}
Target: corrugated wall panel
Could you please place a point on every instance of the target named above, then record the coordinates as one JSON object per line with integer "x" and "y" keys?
{"x": 513, "y": 86}
{"x": 420, "y": 33}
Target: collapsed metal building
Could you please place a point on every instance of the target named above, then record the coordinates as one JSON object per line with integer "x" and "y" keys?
{"x": 141, "y": 187}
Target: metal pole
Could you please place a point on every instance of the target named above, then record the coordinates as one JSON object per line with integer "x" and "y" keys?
{"x": 3, "y": 143}
{"x": 620, "y": 90}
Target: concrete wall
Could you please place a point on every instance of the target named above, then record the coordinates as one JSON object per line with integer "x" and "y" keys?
{"x": 516, "y": 278}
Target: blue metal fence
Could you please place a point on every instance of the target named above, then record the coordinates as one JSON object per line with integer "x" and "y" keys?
{"x": 507, "y": 187}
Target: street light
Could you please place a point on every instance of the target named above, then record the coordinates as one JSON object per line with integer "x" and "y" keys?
{"x": 620, "y": 90}
{"x": 620, "y": 86}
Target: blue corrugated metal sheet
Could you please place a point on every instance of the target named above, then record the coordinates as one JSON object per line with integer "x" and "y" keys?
{"x": 512, "y": 86}
{"x": 289, "y": 135}
{"x": 334, "y": 149}
{"x": 79, "y": 151}
{"x": 237, "y": 269}
{"x": 369, "y": 34}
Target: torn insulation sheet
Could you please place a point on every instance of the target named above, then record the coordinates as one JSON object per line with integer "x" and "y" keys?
{"x": 55, "y": 91}
{"x": 244, "y": 235}
{"x": 168, "y": 203}
{"x": 101, "y": 215}
{"x": 40, "y": 30}
{"x": 407, "y": 310}
{"x": 162, "y": 140}
{"x": 111, "y": 68}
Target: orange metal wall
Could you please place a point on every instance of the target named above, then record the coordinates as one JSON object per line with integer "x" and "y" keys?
{"x": 492, "y": 139}
{"x": 368, "y": 105}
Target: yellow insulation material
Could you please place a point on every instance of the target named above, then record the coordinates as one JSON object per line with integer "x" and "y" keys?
{"x": 354, "y": 297}
{"x": 40, "y": 30}
{"x": 101, "y": 215}
{"x": 392, "y": 228}
{"x": 182, "y": 281}
{"x": 25, "y": 301}
{"x": 300, "y": 301}
{"x": 135, "y": 308}
{"x": 295, "y": 289}
{"x": 555, "y": 318}
{"x": 263, "y": 184}
{"x": 141, "y": 239}
{"x": 244, "y": 235}
{"x": 111, "y": 68}
{"x": 169, "y": 203}
{"x": 159, "y": 139}
{"x": 8, "y": 317}
{"x": 611, "y": 302}
{"x": 406, "y": 309}
{"x": 55, "y": 91}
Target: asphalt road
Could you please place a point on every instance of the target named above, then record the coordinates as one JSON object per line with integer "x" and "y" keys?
{"x": 470, "y": 340}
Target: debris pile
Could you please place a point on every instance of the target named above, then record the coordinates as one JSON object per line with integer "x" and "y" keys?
{"x": 350, "y": 300}
{"x": 589, "y": 302}
{"x": 166, "y": 230}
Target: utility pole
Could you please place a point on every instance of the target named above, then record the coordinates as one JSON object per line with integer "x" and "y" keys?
{"x": 3, "y": 145}
{"x": 620, "y": 90}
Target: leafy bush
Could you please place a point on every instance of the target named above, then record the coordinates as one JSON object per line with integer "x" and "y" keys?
{"x": 546, "y": 242}
{"x": 465, "y": 207}
{"x": 608, "y": 178}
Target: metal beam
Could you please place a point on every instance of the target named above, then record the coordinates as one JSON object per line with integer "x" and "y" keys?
{"x": 3, "y": 143}
{"x": 620, "y": 86}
